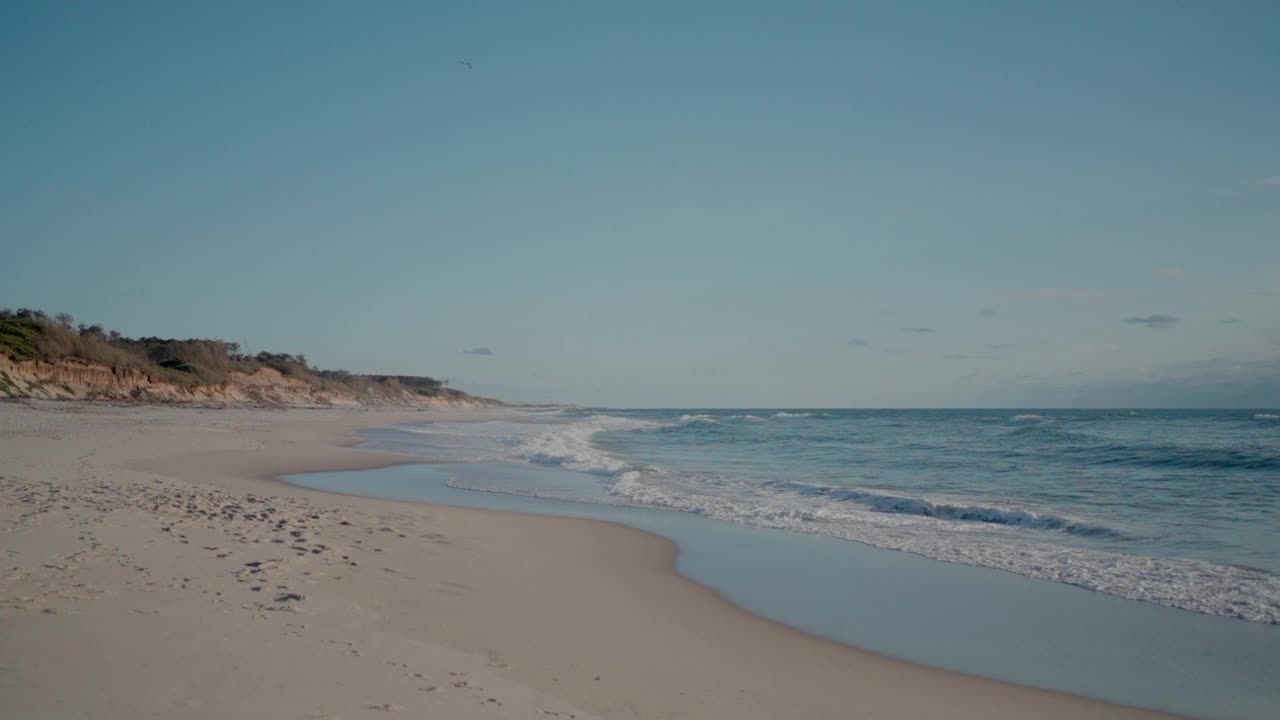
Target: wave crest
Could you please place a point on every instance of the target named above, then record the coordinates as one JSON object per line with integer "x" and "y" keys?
{"x": 1195, "y": 585}
{"x": 925, "y": 507}
{"x": 569, "y": 446}
{"x": 1014, "y": 539}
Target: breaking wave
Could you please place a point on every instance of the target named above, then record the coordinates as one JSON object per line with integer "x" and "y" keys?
{"x": 1013, "y": 539}
{"x": 569, "y": 446}
{"x": 972, "y": 535}
{"x": 959, "y": 512}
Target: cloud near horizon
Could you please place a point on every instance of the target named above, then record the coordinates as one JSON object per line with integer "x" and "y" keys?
{"x": 478, "y": 351}
{"x": 919, "y": 330}
{"x": 988, "y": 312}
{"x": 859, "y": 342}
{"x": 1170, "y": 273}
{"x": 1153, "y": 321}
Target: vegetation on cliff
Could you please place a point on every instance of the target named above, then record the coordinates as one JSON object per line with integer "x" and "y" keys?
{"x": 27, "y": 335}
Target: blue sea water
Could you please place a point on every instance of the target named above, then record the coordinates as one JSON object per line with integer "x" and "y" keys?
{"x": 1128, "y": 555}
{"x": 1180, "y": 508}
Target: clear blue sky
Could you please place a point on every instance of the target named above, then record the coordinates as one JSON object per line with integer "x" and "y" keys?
{"x": 679, "y": 204}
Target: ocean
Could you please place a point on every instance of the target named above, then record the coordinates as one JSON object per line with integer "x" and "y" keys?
{"x": 999, "y": 520}
{"x": 1180, "y": 508}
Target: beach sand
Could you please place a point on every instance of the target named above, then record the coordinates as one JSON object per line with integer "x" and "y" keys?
{"x": 152, "y": 568}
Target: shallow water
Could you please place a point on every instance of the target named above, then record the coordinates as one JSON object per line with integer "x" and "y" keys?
{"x": 1180, "y": 508}
{"x": 772, "y": 533}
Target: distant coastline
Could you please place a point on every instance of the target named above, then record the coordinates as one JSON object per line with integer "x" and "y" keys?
{"x": 52, "y": 358}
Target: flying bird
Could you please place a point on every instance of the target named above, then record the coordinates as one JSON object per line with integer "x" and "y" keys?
{"x": 464, "y": 62}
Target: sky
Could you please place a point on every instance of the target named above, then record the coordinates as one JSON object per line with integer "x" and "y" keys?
{"x": 710, "y": 204}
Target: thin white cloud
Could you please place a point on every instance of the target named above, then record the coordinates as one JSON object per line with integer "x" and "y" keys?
{"x": 1272, "y": 181}
{"x": 477, "y": 351}
{"x": 1073, "y": 294}
{"x": 1171, "y": 273}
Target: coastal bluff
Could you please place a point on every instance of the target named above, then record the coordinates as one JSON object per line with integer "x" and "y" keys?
{"x": 71, "y": 380}
{"x": 45, "y": 358}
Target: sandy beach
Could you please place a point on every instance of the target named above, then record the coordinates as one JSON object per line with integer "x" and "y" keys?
{"x": 153, "y": 568}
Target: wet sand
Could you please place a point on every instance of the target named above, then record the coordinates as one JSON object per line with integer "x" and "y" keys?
{"x": 152, "y": 567}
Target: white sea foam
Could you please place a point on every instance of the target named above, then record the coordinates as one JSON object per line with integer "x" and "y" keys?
{"x": 1266, "y": 416}
{"x": 1028, "y": 418}
{"x": 953, "y": 510}
{"x": 691, "y": 419}
{"x": 1188, "y": 584}
{"x": 569, "y": 445}
{"x": 1016, "y": 540}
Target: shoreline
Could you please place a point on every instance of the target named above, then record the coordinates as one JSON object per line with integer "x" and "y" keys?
{"x": 525, "y": 601}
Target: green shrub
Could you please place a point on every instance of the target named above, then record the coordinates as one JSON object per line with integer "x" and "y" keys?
{"x": 33, "y": 335}
{"x": 20, "y": 338}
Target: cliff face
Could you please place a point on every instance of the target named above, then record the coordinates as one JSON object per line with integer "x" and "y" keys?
{"x": 69, "y": 380}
